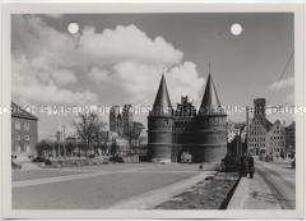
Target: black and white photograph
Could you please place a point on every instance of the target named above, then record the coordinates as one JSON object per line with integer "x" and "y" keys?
{"x": 154, "y": 111}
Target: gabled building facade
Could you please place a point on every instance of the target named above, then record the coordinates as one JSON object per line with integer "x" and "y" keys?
{"x": 24, "y": 133}
{"x": 258, "y": 128}
{"x": 275, "y": 140}
{"x": 173, "y": 132}
{"x": 290, "y": 140}
{"x": 264, "y": 137}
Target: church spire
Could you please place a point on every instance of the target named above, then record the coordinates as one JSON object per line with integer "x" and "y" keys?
{"x": 210, "y": 102}
{"x": 162, "y": 103}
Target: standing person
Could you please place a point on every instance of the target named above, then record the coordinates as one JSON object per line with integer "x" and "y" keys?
{"x": 243, "y": 166}
{"x": 250, "y": 166}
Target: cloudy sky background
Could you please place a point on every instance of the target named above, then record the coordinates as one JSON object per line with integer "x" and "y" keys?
{"x": 119, "y": 58}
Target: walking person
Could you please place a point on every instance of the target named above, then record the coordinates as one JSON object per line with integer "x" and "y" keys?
{"x": 243, "y": 166}
{"x": 250, "y": 166}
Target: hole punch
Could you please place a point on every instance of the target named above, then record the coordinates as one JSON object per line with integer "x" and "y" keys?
{"x": 73, "y": 28}
{"x": 236, "y": 29}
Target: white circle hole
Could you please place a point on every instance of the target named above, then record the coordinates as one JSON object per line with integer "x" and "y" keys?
{"x": 73, "y": 28}
{"x": 236, "y": 29}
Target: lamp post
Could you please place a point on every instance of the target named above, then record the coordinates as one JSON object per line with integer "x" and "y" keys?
{"x": 64, "y": 141}
{"x": 247, "y": 128}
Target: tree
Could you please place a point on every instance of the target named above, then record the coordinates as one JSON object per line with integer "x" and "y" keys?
{"x": 43, "y": 148}
{"x": 132, "y": 131}
{"x": 92, "y": 132}
{"x": 86, "y": 129}
{"x": 114, "y": 148}
{"x": 100, "y": 136}
{"x": 71, "y": 144}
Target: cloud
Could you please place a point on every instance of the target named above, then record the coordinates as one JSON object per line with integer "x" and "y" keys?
{"x": 184, "y": 80}
{"x": 98, "y": 75}
{"x": 41, "y": 65}
{"x": 45, "y": 85}
{"x": 140, "y": 81}
{"x": 64, "y": 76}
{"x": 127, "y": 43}
{"x": 128, "y": 59}
{"x": 120, "y": 65}
{"x": 53, "y": 59}
{"x": 282, "y": 84}
{"x": 283, "y": 91}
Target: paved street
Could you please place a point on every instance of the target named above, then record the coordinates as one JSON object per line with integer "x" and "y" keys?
{"x": 101, "y": 187}
{"x": 273, "y": 187}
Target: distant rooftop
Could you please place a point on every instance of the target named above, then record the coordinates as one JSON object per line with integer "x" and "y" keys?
{"x": 18, "y": 112}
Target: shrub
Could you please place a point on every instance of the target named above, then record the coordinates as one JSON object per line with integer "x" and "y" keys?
{"x": 48, "y": 162}
{"x": 116, "y": 159}
{"x": 38, "y": 159}
{"x": 293, "y": 164}
{"x": 16, "y": 166}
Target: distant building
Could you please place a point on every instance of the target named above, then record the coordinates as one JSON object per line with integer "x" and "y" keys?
{"x": 120, "y": 121}
{"x": 24, "y": 133}
{"x": 127, "y": 113}
{"x": 265, "y": 138}
{"x": 234, "y": 129}
{"x": 258, "y": 128}
{"x": 174, "y": 132}
{"x": 125, "y": 133}
{"x": 115, "y": 120}
{"x": 275, "y": 140}
{"x": 290, "y": 139}
{"x": 236, "y": 145}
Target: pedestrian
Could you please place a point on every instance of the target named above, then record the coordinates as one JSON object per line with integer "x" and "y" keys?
{"x": 243, "y": 166}
{"x": 250, "y": 166}
{"x": 201, "y": 167}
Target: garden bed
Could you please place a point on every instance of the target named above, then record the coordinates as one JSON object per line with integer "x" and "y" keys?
{"x": 212, "y": 193}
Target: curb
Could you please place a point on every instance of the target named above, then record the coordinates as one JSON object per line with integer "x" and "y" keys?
{"x": 229, "y": 196}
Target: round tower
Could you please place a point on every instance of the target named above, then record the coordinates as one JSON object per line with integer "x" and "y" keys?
{"x": 160, "y": 126}
{"x": 210, "y": 128}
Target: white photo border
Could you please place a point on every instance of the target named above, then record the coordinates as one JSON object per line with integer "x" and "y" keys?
{"x": 79, "y": 8}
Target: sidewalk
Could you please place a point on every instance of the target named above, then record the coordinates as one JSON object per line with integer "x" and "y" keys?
{"x": 253, "y": 194}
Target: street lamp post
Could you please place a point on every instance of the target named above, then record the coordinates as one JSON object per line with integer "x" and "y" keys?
{"x": 247, "y": 128}
{"x": 64, "y": 142}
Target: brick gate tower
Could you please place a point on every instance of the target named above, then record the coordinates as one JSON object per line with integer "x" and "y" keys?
{"x": 210, "y": 128}
{"x": 160, "y": 122}
{"x": 173, "y": 133}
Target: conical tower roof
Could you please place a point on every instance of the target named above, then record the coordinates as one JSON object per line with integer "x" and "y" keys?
{"x": 210, "y": 102}
{"x": 162, "y": 103}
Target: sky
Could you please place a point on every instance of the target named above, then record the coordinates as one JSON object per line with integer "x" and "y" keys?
{"x": 119, "y": 58}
